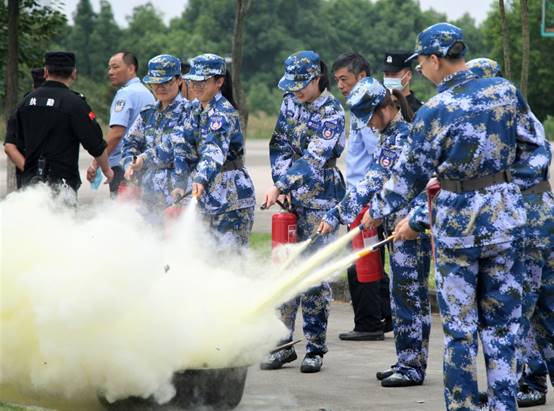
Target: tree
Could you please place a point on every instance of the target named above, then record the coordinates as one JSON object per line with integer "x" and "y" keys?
{"x": 505, "y": 40}
{"x": 11, "y": 76}
{"x": 238, "y": 31}
{"x": 104, "y": 40}
{"x": 524, "y": 47}
{"x": 81, "y": 36}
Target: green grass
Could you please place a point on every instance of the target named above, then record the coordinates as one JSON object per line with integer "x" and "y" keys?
{"x": 260, "y": 125}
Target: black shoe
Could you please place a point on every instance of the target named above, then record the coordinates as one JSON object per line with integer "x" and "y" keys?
{"x": 362, "y": 336}
{"x": 381, "y": 375}
{"x": 277, "y": 359}
{"x": 399, "y": 380}
{"x": 311, "y": 363}
{"x": 530, "y": 398}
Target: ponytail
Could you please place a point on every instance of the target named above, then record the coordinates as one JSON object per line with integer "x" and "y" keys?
{"x": 323, "y": 77}
{"x": 227, "y": 88}
{"x": 405, "y": 108}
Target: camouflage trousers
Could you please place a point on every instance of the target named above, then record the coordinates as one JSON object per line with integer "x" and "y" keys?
{"x": 537, "y": 329}
{"x": 479, "y": 291}
{"x": 411, "y": 312}
{"x": 316, "y": 301}
{"x": 231, "y": 229}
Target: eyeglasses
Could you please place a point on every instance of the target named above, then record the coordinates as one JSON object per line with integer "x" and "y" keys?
{"x": 199, "y": 84}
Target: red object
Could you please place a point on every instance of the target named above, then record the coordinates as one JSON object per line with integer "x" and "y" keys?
{"x": 433, "y": 187}
{"x": 283, "y": 228}
{"x": 172, "y": 212}
{"x": 128, "y": 192}
{"x": 369, "y": 268}
{"x": 91, "y": 115}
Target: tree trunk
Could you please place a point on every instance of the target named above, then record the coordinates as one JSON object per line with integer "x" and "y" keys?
{"x": 238, "y": 43}
{"x": 11, "y": 79}
{"x": 524, "y": 47}
{"x": 507, "y": 70}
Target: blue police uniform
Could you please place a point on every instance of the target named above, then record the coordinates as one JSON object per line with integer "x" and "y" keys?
{"x": 410, "y": 260}
{"x": 307, "y": 140}
{"x": 466, "y": 134}
{"x": 129, "y": 100}
{"x": 228, "y": 200}
{"x": 157, "y": 136}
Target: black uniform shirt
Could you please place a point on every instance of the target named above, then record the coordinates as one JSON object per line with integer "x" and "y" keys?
{"x": 414, "y": 103}
{"x": 51, "y": 122}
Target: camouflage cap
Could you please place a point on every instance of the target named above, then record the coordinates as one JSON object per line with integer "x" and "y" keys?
{"x": 437, "y": 39}
{"x": 484, "y": 67}
{"x": 300, "y": 68}
{"x": 365, "y": 96}
{"x": 205, "y": 66}
{"x": 162, "y": 69}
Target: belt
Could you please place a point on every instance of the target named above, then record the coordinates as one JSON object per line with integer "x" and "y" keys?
{"x": 230, "y": 165}
{"x": 476, "y": 184}
{"x": 332, "y": 162}
{"x": 539, "y": 188}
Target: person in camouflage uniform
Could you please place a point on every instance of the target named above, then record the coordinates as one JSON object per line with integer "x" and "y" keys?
{"x": 307, "y": 140}
{"x": 152, "y": 149}
{"x": 372, "y": 104}
{"x": 220, "y": 181}
{"x": 467, "y": 134}
{"x": 530, "y": 172}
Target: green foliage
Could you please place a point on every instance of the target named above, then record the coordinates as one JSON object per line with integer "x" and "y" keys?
{"x": 549, "y": 127}
{"x": 541, "y": 70}
{"x": 39, "y": 23}
{"x": 104, "y": 37}
{"x": 80, "y": 40}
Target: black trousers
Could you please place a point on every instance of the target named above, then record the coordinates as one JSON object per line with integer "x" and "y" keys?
{"x": 370, "y": 302}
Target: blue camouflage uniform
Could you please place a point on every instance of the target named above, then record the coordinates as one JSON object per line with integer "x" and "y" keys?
{"x": 466, "y": 134}
{"x": 228, "y": 200}
{"x": 530, "y": 172}
{"x": 126, "y": 106}
{"x": 307, "y": 140}
{"x": 157, "y": 135}
{"x": 410, "y": 260}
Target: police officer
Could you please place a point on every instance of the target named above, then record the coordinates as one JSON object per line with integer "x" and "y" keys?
{"x": 129, "y": 100}
{"x": 409, "y": 259}
{"x": 397, "y": 75}
{"x": 51, "y": 123}
{"x": 220, "y": 180}
{"x": 155, "y": 148}
{"x": 14, "y": 153}
{"x": 478, "y": 216}
{"x": 307, "y": 140}
{"x": 370, "y": 301}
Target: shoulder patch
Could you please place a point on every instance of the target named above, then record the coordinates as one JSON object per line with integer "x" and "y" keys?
{"x": 119, "y": 105}
{"x": 387, "y": 158}
{"x": 329, "y": 129}
{"x": 92, "y": 116}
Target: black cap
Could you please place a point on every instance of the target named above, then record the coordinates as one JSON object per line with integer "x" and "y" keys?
{"x": 59, "y": 59}
{"x": 396, "y": 61}
{"x": 38, "y": 76}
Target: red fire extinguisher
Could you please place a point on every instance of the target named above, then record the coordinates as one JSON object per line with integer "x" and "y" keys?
{"x": 129, "y": 190}
{"x": 370, "y": 267}
{"x": 433, "y": 187}
{"x": 283, "y": 226}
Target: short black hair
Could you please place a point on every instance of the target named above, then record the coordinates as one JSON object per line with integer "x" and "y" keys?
{"x": 130, "y": 59}
{"x": 61, "y": 72}
{"x": 355, "y": 63}
{"x": 185, "y": 66}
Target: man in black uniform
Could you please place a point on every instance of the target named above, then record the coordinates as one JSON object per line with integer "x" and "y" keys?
{"x": 398, "y": 74}
{"x": 9, "y": 143}
{"x": 50, "y": 124}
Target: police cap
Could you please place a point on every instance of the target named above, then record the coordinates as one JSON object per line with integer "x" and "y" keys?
{"x": 59, "y": 59}
{"x": 396, "y": 61}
